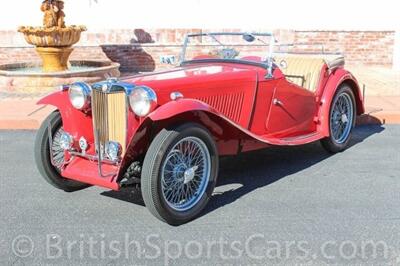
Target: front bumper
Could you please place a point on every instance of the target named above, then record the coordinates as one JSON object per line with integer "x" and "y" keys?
{"x": 88, "y": 167}
{"x": 86, "y": 171}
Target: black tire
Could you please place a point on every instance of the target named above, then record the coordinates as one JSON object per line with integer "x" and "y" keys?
{"x": 42, "y": 156}
{"x": 151, "y": 173}
{"x": 329, "y": 143}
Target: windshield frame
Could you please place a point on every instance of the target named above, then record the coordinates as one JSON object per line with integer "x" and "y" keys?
{"x": 269, "y": 53}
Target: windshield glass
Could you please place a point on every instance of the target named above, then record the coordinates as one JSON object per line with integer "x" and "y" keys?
{"x": 255, "y": 47}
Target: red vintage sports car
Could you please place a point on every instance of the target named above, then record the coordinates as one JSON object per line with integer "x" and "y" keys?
{"x": 165, "y": 131}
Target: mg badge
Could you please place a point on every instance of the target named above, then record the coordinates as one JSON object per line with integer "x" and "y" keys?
{"x": 104, "y": 88}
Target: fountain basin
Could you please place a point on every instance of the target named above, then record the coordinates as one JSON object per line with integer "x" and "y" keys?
{"x": 29, "y": 77}
{"x": 52, "y": 37}
{"x": 53, "y": 44}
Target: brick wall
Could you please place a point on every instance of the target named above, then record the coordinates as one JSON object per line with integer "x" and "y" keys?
{"x": 359, "y": 47}
{"x": 139, "y": 50}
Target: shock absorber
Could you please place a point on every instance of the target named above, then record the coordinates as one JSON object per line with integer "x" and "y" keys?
{"x": 132, "y": 175}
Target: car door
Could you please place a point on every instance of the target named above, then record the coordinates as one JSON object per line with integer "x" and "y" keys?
{"x": 292, "y": 110}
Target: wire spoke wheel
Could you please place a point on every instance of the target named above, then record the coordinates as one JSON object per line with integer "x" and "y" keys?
{"x": 57, "y": 152}
{"x": 179, "y": 173}
{"x": 341, "y": 118}
{"x": 185, "y": 173}
{"x": 50, "y": 158}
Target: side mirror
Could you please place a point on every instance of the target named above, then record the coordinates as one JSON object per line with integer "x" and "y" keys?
{"x": 248, "y": 37}
{"x": 168, "y": 59}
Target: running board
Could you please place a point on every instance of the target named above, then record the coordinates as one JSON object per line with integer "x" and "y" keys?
{"x": 297, "y": 140}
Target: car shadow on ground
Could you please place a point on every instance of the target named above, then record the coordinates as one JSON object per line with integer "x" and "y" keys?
{"x": 252, "y": 170}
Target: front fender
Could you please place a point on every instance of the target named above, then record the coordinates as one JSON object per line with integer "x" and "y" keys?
{"x": 336, "y": 79}
{"x": 195, "y": 111}
{"x": 75, "y": 122}
{"x": 57, "y": 99}
{"x": 227, "y": 134}
{"x": 170, "y": 114}
{"x": 173, "y": 108}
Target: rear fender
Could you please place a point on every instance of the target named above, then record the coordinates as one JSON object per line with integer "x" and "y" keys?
{"x": 337, "y": 78}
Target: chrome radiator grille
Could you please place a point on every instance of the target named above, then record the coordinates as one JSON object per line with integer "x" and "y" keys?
{"x": 109, "y": 111}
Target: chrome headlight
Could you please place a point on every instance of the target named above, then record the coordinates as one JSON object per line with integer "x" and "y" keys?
{"x": 79, "y": 95}
{"x": 142, "y": 100}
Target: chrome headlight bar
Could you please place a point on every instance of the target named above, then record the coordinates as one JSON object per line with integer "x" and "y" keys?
{"x": 142, "y": 99}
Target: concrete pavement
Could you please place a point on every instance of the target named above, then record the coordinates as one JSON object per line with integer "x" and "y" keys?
{"x": 284, "y": 206}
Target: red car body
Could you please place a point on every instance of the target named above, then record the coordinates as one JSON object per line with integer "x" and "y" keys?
{"x": 242, "y": 108}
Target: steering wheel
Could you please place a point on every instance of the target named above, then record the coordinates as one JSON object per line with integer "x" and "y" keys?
{"x": 227, "y": 53}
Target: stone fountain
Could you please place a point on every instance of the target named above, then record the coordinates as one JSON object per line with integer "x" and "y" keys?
{"x": 53, "y": 42}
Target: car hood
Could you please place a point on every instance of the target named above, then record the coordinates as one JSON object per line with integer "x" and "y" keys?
{"x": 181, "y": 77}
